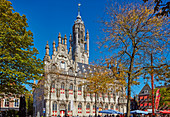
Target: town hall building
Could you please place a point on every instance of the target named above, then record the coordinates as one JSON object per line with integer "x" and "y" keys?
{"x": 59, "y": 93}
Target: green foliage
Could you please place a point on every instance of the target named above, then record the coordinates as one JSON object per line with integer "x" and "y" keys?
{"x": 165, "y": 96}
{"x": 29, "y": 103}
{"x": 18, "y": 62}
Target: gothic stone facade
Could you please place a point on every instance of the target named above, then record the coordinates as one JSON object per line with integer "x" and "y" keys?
{"x": 66, "y": 96}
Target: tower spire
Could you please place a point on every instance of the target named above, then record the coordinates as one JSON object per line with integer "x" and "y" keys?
{"x": 79, "y": 11}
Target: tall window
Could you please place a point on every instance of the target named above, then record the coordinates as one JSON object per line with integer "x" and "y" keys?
{"x": 62, "y": 88}
{"x": 54, "y": 113}
{"x": 6, "y": 102}
{"x": 53, "y": 88}
{"x": 93, "y": 108}
{"x": 16, "y": 103}
{"x": 62, "y": 85}
{"x": 106, "y": 106}
{"x": 117, "y": 107}
{"x": 69, "y": 106}
{"x": 71, "y": 89}
{"x": 79, "y": 90}
{"x": 111, "y": 107}
{"x": 88, "y": 108}
{"x": 79, "y": 108}
{"x": 54, "y": 106}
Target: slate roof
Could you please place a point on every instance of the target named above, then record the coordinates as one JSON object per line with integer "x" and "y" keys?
{"x": 84, "y": 68}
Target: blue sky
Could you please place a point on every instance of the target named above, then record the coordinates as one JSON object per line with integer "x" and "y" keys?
{"x": 46, "y": 18}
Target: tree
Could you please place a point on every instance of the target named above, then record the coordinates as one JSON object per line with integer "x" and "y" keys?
{"x": 164, "y": 97}
{"x": 22, "y": 107}
{"x": 18, "y": 62}
{"x": 160, "y": 8}
{"x": 29, "y": 103}
{"x": 100, "y": 80}
{"x": 96, "y": 83}
{"x": 132, "y": 34}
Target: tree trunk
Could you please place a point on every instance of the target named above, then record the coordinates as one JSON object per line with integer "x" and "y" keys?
{"x": 129, "y": 82}
{"x": 129, "y": 95}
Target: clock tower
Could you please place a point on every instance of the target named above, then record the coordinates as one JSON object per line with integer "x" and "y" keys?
{"x": 80, "y": 44}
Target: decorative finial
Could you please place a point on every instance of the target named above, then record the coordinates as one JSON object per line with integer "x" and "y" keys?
{"x": 59, "y": 35}
{"x": 65, "y": 37}
{"x": 53, "y": 42}
{"x": 79, "y": 9}
{"x": 47, "y": 46}
{"x": 47, "y": 49}
{"x": 87, "y": 32}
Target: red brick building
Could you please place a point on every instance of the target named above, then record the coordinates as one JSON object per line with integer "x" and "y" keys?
{"x": 8, "y": 103}
{"x": 144, "y": 98}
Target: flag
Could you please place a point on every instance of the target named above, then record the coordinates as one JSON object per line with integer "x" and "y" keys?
{"x": 157, "y": 99}
{"x": 157, "y": 102}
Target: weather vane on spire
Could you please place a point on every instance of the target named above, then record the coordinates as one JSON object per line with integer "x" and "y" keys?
{"x": 79, "y": 9}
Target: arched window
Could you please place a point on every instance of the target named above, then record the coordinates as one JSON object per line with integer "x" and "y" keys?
{"x": 53, "y": 88}
{"x": 111, "y": 107}
{"x": 54, "y": 113}
{"x": 88, "y": 108}
{"x": 111, "y": 93}
{"x": 79, "y": 108}
{"x": 106, "y": 107}
{"x": 94, "y": 108}
{"x": 54, "y": 106}
{"x": 117, "y": 107}
{"x": 62, "y": 85}
{"x": 79, "y": 90}
{"x": 71, "y": 89}
{"x": 62, "y": 88}
{"x": 69, "y": 106}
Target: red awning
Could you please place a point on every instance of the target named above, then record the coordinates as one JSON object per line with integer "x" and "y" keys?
{"x": 165, "y": 112}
